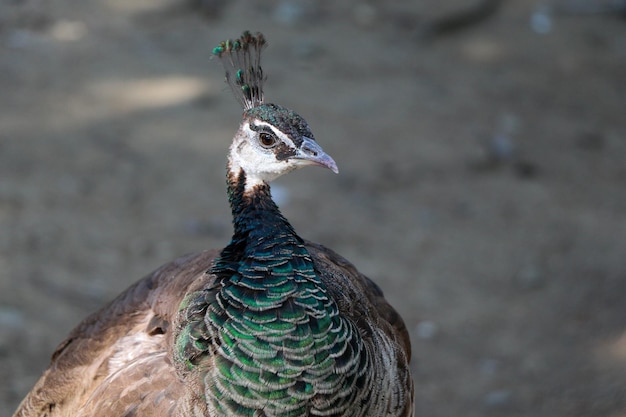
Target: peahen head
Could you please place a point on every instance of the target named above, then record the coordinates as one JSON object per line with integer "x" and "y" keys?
{"x": 272, "y": 140}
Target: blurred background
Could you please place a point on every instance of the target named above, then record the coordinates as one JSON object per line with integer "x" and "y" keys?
{"x": 482, "y": 155}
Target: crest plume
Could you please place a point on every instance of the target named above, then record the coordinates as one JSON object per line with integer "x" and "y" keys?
{"x": 242, "y": 61}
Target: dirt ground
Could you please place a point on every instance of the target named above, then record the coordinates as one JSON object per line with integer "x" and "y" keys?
{"x": 482, "y": 176}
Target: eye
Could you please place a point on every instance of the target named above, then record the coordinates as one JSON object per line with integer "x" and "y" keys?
{"x": 267, "y": 139}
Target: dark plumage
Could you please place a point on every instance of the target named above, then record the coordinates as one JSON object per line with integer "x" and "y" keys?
{"x": 272, "y": 325}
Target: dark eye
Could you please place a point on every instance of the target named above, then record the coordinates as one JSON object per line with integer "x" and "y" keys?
{"x": 267, "y": 139}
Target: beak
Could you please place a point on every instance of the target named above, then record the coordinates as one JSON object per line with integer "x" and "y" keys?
{"x": 310, "y": 153}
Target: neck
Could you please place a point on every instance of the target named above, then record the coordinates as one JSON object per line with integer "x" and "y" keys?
{"x": 255, "y": 216}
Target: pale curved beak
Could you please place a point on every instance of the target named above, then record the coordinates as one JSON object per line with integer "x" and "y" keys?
{"x": 311, "y": 153}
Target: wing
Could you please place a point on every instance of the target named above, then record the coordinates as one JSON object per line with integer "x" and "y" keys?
{"x": 118, "y": 358}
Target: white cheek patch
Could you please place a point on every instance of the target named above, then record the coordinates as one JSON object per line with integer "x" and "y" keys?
{"x": 259, "y": 164}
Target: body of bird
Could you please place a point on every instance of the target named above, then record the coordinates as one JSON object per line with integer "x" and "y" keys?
{"x": 272, "y": 325}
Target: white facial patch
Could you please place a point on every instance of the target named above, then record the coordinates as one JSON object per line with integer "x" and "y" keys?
{"x": 259, "y": 163}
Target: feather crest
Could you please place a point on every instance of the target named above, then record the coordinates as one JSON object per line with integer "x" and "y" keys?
{"x": 242, "y": 61}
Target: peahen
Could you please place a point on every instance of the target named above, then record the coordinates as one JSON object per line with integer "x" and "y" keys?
{"x": 272, "y": 325}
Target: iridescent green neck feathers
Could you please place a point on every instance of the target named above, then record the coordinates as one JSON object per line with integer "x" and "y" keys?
{"x": 274, "y": 337}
